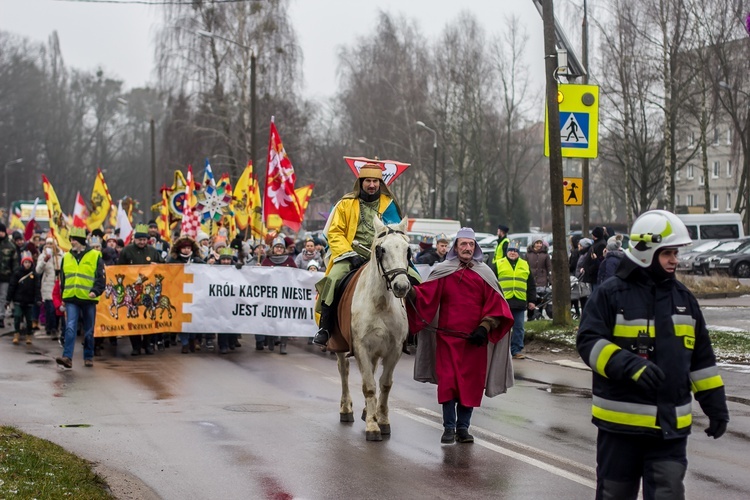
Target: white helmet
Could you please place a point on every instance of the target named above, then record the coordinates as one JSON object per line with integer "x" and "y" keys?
{"x": 653, "y": 230}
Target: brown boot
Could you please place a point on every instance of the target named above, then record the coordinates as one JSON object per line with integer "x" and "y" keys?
{"x": 28, "y": 339}
{"x": 16, "y": 338}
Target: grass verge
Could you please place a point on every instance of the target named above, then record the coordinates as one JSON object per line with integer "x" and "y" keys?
{"x": 34, "y": 468}
{"x": 730, "y": 346}
{"x": 706, "y": 285}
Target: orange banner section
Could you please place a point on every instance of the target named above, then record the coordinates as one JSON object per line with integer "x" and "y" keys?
{"x": 142, "y": 300}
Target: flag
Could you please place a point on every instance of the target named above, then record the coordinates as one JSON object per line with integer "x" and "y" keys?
{"x": 391, "y": 168}
{"x": 240, "y": 197}
{"x": 57, "y": 225}
{"x": 190, "y": 213}
{"x": 28, "y": 231}
{"x": 255, "y": 221}
{"x": 101, "y": 201}
{"x": 80, "y": 212}
{"x": 162, "y": 222}
{"x": 123, "y": 223}
{"x": 303, "y": 198}
{"x": 15, "y": 223}
{"x": 208, "y": 176}
{"x": 279, "y": 197}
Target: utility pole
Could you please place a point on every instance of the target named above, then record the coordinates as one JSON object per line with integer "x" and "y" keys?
{"x": 153, "y": 161}
{"x": 585, "y": 162}
{"x": 560, "y": 277}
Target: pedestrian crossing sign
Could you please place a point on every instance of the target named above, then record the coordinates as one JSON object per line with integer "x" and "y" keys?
{"x": 579, "y": 121}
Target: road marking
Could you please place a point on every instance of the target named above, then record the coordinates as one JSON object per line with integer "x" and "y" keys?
{"x": 510, "y": 453}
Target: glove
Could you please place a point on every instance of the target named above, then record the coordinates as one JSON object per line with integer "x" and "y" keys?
{"x": 650, "y": 378}
{"x": 478, "y": 337}
{"x": 716, "y": 428}
{"x": 356, "y": 261}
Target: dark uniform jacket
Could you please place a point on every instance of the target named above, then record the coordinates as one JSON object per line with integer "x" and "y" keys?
{"x": 674, "y": 337}
{"x": 132, "y": 254}
{"x": 9, "y": 261}
{"x": 429, "y": 257}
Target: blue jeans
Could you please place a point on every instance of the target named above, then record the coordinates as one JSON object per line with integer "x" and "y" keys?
{"x": 88, "y": 313}
{"x": 185, "y": 338}
{"x": 516, "y": 340}
{"x": 449, "y": 415}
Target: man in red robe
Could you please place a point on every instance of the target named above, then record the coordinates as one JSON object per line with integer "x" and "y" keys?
{"x": 458, "y": 310}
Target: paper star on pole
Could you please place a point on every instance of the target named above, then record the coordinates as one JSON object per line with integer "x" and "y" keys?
{"x": 214, "y": 203}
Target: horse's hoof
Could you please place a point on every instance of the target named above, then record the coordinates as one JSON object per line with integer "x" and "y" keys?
{"x": 385, "y": 429}
{"x": 373, "y": 436}
{"x": 346, "y": 417}
{"x": 364, "y": 415}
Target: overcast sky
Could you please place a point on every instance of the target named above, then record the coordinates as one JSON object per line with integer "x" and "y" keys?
{"x": 119, "y": 37}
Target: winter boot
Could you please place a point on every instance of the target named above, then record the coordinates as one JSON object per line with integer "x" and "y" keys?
{"x": 16, "y": 338}
{"x": 282, "y": 347}
{"x": 28, "y": 339}
{"x": 326, "y": 325}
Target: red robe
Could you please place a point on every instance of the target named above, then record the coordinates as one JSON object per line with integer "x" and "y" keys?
{"x": 464, "y": 299}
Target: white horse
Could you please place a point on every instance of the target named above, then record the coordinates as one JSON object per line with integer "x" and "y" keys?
{"x": 378, "y": 326}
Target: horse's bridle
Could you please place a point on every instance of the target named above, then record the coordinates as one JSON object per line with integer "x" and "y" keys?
{"x": 390, "y": 274}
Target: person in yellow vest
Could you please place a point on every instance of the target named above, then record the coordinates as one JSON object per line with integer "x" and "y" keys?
{"x": 501, "y": 250}
{"x": 519, "y": 290}
{"x": 82, "y": 282}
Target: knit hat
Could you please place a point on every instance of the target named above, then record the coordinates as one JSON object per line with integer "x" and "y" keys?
{"x": 597, "y": 232}
{"x": 27, "y": 256}
{"x": 288, "y": 241}
{"x": 279, "y": 241}
{"x": 614, "y": 243}
{"x": 313, "y": 263}
{"x": 201, "y": 237}
{"x": 219, "y": 244}
{"x": 371, "y": 171}
{"x": 585, "y": 242}
{"x": 17, "y": 235}
{"x": 49, "y": 241}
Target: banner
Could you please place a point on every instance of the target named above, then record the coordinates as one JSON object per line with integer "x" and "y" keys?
{"x": 199, "y": 298}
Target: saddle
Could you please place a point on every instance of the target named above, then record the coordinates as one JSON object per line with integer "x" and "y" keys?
{"x": 341, "y": 335}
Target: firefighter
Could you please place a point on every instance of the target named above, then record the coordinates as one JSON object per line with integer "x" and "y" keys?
{"x": 645, "y": 339}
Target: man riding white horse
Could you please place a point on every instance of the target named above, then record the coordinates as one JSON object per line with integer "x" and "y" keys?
{"x": 350, "y": 220}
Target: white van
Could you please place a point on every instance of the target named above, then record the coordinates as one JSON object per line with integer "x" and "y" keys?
{"x": 433, "y": 226}
{"x": 713, "y": 226}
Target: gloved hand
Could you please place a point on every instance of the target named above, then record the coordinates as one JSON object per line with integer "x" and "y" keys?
{"x": 716, "y": 428}
{"x": 478, "y": 337}
{"x": 650, "y": 378}
{"x": 356, "y": 261}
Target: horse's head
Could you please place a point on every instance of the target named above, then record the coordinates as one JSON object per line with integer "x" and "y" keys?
{"x": 390, "y": 251}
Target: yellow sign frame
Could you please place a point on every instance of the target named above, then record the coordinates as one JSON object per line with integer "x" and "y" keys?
{"x": 580, "y": 104}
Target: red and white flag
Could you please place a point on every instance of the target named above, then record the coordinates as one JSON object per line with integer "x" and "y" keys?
{"x": 123, "y": 224}
{"x": 80, "y": 212}
{"x": 191, "y": 222}
{"x": 28, "y": 231}
{"x": 280, "y": 198}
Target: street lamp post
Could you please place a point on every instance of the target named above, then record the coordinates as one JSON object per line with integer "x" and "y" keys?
{"x": 434, "y": 166}
{"x": 746, "y": 153}
{"x": 253, "y": 111}
{"x": 5, "y": 178}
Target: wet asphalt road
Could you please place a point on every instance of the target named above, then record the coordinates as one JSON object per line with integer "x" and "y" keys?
{"x": 261, "y": 425}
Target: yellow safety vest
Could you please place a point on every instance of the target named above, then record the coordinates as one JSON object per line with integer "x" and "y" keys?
{"x": 513, "y": 280}
{"x": 79, "y": 276}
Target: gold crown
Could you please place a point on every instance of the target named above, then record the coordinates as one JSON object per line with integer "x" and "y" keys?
{"x": 77, "y": 232}
{"x": 226, "y": 251}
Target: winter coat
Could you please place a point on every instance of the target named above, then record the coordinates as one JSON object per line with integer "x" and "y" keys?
{"x": 23, "y": 288}
{"x": 9, "y": 261}
{"x": 540, "y": 264}
{"x": 132, "y": 255}
{"x": 429, "y": 257}
{"x": 592, "y": 263}
{"x": 47, "y": 269}
{"x": 573, "y": 261}
{"x": 109, "y": 256}
{"x": 608, "y": 268}
{"x": 303, "y": 259}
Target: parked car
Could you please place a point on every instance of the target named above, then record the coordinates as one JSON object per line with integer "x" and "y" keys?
{"x": 526, "y": 239}
{"x": 735, "y": 263}
{"x": 703, "y": 261}
{"x": 687, "y": 258}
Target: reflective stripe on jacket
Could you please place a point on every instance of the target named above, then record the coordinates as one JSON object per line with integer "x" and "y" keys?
{"x": 628, "y": 314}
{"x": 80, "y": 276}
{"x": 513, "y": 280}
